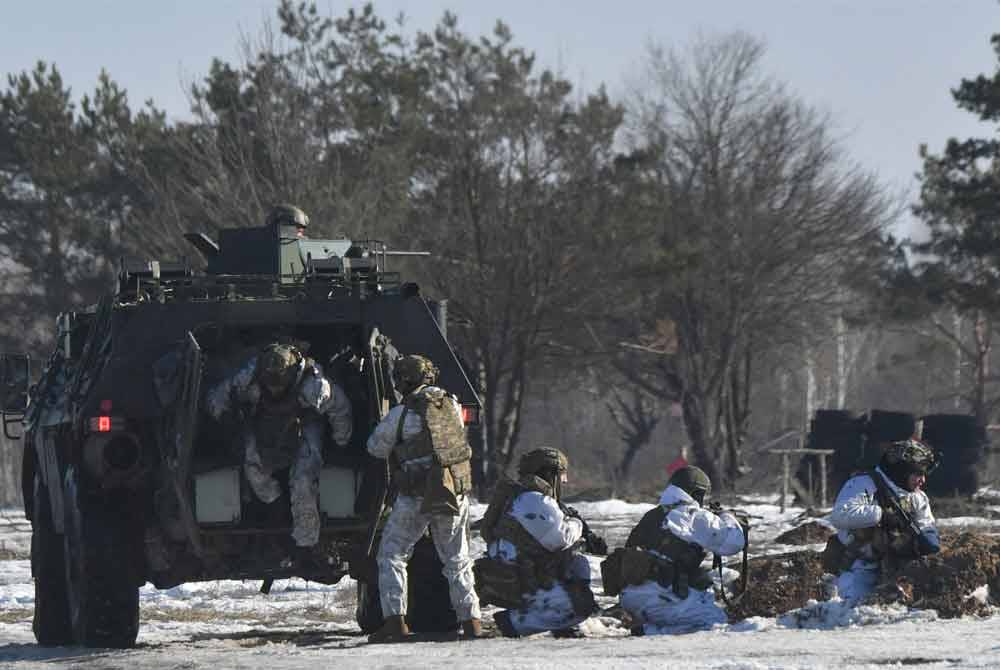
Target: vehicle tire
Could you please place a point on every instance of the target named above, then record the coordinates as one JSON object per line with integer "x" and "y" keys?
{"x": 369, "y": 609}
{"x": 429, "y": 607}
{"x": 51, "y": 622}
{"x": 100, "y": 577}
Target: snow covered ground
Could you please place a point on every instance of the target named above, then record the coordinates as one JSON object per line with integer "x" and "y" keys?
{"x": 228, "y": 624}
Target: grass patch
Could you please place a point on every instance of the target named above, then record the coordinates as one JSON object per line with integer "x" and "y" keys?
{"x": 16, "y": 615}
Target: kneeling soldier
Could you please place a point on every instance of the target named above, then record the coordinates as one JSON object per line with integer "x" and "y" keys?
{"x": 883, "y": 519}
{"x": 663, "y": 586}
{"x": 533, "y": 566}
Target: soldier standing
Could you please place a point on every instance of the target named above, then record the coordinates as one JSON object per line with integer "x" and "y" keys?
{"x": 533, "y": 565}
{"x": 663, "y": 586}
{"x": 883, "y": 518}
{"x": 425, "y": 438}
{"x": 283, "y": 398}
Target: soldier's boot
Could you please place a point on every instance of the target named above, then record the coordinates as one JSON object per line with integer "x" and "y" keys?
{"x": 472, "y": 629}
{"x": 504, "y": 625}
{"x": 394, "y": 629}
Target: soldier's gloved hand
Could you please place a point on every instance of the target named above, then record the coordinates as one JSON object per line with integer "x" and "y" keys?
{"x": 571, "y": 511}
{"x": 596, "y": 545}
{"x": 927, "y": 544}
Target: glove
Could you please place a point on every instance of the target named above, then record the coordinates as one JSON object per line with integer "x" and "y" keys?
{"x": 596, "y": 545}
{"x": 571, "y": 511}
{"x": 927, "y": 545}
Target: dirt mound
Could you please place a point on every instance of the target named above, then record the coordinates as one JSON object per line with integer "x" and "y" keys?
{"x": 944, "y": 582}
{"x": 812, "y": 532}
{"x": 778, "y": 584}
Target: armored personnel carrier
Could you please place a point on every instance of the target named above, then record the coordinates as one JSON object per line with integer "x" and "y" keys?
{"x": 126, "y": 478}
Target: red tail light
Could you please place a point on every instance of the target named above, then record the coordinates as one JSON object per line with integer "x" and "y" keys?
{"x": 470, "y": 414}
{"x": 105, "y": 424}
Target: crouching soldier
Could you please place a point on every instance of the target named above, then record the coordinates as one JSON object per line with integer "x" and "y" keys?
{"x": 533, "y": 566}
{"x": 425, "y": 438}
{"x": 659, "y": 575}
{"x": 883, "y": 519}
{"x": 282, "y": 401}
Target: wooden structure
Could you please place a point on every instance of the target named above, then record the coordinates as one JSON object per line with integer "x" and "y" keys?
{"x": 786, "y": 473}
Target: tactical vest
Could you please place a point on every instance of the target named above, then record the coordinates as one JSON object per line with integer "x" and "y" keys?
{"x": 539, "y": 567}
{"x": 277, "y": 425}
{"x": 439, "y": 455}
{"x": 895, "y": 543}
{"x": 680, "y": 562}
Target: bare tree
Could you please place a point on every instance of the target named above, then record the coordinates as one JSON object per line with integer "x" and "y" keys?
{"x": 509, "y": 198}
{"x": 753, "y": 217}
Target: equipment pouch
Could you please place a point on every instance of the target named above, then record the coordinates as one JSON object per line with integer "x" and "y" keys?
{"x": 498, "y": 583}
{"x": 443, "y": 487}
{"x": 626, "y": 567}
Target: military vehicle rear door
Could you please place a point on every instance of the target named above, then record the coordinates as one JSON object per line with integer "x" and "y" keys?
{"x": 15, "y": 375}
{"x": 177, "y": 379}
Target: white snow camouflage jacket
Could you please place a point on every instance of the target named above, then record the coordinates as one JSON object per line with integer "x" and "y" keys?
{"x": 542, "y": 517}
{"x": 857, "y": 507}
{"x": 718, "y": 533}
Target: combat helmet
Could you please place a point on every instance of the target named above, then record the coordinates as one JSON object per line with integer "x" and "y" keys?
{"x": 285, "y": 214}
{"x": 413, "y": 371}
{"x": 693, "y": 481}
{"x": 547, "y": 464}
{"x": 278, "y": 368}
{"x": 541, "y": 460}
{"x": 907, "y": 457}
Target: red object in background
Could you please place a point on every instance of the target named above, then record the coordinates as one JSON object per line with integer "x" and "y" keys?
{"x": 676, "y": 465}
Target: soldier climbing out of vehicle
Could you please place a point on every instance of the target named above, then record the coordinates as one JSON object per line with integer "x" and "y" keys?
{"x": 424, "y": 438}
{"x": 282, "y": 401}
{"x": 659, "y": 573}
{"x": 533, "y": 566}
{"x": 883, "y": 519}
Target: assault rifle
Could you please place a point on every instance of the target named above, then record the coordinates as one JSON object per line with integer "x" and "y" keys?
{"x": 592, "y": 542}
{"x": 889, "y": 498}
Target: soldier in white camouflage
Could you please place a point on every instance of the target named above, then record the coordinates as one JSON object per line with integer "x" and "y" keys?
{"x": 534, "y": 566}
{"x": 424, "y": 438}
{"x": 873, "y": 538}
{"x": 284, "y": 404}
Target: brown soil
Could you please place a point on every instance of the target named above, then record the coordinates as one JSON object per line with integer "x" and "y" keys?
{"x": 778, "y": 584}
{"x": 812, "y": 532}
{"x": 944, "y": 581}
{"x": 941, "y": 582}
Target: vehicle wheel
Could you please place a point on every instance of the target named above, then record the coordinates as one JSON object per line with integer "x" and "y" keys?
{"x": 51, "y": 621}
{"x": 369, "y": 609}
{"x": 102, "y": 586}
{"x": 429, "y": 607}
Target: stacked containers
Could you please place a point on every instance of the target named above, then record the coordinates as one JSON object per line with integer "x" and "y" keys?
{"x": 841, "y": 431}
{"x": 962, "y": 442}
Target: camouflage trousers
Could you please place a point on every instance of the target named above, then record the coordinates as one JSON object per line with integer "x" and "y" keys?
{"x": 405, "y": 526}
{"x": 659, "y": 610}
{"x": 559, "y": 606}
{"x": 303, "y": 481}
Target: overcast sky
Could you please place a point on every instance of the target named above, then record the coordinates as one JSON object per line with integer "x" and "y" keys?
{"x": 882, "y": 68}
